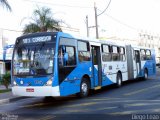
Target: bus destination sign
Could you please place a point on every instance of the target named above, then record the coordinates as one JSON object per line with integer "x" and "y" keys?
{"x": 37, "y": 39}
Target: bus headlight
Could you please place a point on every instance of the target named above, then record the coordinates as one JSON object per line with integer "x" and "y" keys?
{"x": 14, "y": 83}
{"x": 49, "y": 82}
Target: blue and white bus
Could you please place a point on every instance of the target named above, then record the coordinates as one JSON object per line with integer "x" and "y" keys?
{"x": 58, "y": 64}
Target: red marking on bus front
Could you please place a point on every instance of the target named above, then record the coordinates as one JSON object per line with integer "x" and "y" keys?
{"x": 29, "y": 89}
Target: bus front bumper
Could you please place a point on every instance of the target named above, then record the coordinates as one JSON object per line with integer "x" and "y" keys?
{"x": 36, "y": 91}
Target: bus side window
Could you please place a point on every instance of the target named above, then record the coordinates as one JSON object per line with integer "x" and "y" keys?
{"x": 66, "y": 56}
{"x": 83, "y": 51}
{"x": 122, "y": 53}
{"x": 115, "y": 54}
{"x": 106, "y": 53}
{"x": 67, "y": 60}
{"x": 143, "y": 54}
{"x": 71, "y": 55}
{"x": 61, "y": 52}
{"x": 148, "y": 55}
{"x": 137, "y": 56}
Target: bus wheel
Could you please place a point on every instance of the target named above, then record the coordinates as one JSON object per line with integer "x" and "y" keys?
{"x": 49, "y": 98}
{"x": 145, "y": 74}
{"x": 119, "y": 80}
{"x": 84, "y": 88}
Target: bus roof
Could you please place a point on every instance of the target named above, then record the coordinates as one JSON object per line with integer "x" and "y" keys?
{"x": 37, "y": 34}
{"x": 141, "y": 47}
{"x": 109, "y": 41}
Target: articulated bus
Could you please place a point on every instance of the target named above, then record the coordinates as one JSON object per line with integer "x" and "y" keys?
{"x": 58, "y": 64}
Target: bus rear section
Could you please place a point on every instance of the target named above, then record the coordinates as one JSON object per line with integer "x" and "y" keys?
{"x": 140, "y": 62}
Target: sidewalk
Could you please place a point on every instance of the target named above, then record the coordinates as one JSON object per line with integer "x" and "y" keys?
{"x": 8, "y": 96}
{"x": 2, "y": 87}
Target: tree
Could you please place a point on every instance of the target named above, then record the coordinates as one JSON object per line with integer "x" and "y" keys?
{"x": 6, "y": 4}
{"x": 6, "y": 79}
{"x": 42, "y": 21}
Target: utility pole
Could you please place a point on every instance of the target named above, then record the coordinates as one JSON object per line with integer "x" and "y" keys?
{"x": 96, "y": 21}
{"x": 1, "y": 38}
{"x": 87, "y": 26}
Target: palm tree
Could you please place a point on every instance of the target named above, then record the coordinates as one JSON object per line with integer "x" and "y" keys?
{"x": 6, "y": 4}
{"x": 42, "y": 21}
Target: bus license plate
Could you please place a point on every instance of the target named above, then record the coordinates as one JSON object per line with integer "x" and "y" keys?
{"x": 29, "y": 89}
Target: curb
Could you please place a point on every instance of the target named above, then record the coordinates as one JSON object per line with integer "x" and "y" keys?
{"x": 4, "y": 101}
{"x": 8, "y": 100}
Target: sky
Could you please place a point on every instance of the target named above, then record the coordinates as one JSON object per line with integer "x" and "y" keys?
{"x": 123, "y": 18}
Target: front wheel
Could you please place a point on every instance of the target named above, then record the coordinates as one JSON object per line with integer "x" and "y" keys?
{"x": 84, "y": 88}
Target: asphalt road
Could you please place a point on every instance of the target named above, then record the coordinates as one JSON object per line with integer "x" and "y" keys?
{"x": 135, "y": 100}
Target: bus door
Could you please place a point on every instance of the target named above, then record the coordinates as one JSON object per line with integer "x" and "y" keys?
{"x": 97, "y": 67}
{"x": 138, "y": 61}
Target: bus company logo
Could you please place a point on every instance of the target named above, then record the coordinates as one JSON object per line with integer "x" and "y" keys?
{"x": 39, "y": 82}
{"x": 29, "y": 89}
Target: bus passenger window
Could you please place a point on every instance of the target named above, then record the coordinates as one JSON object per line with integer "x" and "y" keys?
{"x": 106, "y": 54}
{"x": 61, "y": 52}
{"x": 83, "y": 51}
{"x": 137, "y": 56}
{"x": 148, "y": 55}
{"x": 71, "y": 55}
{"x": 122, "y": 54}
{"x": 143, "y": 54}
{"x": 66, "y": 55}
{"x": 115, "y": 54}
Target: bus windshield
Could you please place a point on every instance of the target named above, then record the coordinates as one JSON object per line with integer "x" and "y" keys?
{"x": 33, "y": 59}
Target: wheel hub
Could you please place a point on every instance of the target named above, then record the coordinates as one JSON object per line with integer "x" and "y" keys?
{"x": 84, "y": 88}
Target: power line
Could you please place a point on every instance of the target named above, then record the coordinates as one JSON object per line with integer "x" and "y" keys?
{"x": 120, "y": 22}
{"x": 105, "y": 8}
{"x": 96, "y": 17}
{"x": 47, "y": 3}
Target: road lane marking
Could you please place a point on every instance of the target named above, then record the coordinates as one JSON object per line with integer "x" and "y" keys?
{"x": 76, "y": 110}
{"x": 75, "y": 105}
{"x": 141, "y": 90}
{"x": 48, "y": 118}
{"x": 86, "y": 103}
{"x": 108, "y": 108}
{"x": 34, "y": 105}
{"x": 141, "y": 104}
{"x": 103, "y": 99}
{"x": 82, "y": 104}
{"x": 89, "y": 110}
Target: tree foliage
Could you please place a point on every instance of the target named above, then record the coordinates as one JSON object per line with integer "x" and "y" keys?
{"x": 6, "y": 79}
{"x": 42, "y": 21}
{"x": 5, "y": 3}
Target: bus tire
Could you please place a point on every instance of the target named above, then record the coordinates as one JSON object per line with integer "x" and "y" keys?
{"x": 49, "y": 98}
{"x": 84, "y": 88}
{"x": 119, "y": 80}
{"x": 145, "y": 74}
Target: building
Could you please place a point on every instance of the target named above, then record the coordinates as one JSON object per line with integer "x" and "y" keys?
{"x": 5, "y": 59}
{"x": 151, "y": 41}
